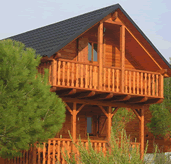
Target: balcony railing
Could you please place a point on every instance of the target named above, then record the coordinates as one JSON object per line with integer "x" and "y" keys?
{"x": 80, "y": 75}
{"x": 54, "y": 151}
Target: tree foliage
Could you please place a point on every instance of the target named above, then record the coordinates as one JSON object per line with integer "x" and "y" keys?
{"x": 120, "y": 119}
{"x": 29, "y": 112}
{"x": 161, "y": 113}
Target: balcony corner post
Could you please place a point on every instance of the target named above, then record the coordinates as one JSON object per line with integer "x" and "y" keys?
{"x": 122, "y": 54}
{"x": 54, "y": 71}
{"x": 100, "y": 52}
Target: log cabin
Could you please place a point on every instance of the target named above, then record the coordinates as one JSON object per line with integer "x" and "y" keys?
{"x": 98, "y": 62}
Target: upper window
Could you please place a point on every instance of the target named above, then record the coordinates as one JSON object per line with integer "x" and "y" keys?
{"x": 92, "y": 51}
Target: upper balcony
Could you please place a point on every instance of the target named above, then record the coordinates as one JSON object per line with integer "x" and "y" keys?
{"x": 146, "y": 86}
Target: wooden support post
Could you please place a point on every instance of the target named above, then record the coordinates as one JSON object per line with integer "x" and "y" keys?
{"x": 100, "y": 52}
{"x": 54, "y": 71}
{"x": 109, "y": 123}
{"x": 142, "y": 133}
{"x": 74, "y": 114}
{"x": 122, "y": 54}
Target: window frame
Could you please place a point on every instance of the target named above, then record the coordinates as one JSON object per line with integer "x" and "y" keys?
{"x": 92, "y": 52}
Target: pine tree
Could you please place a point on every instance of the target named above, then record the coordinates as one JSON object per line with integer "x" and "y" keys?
{"x": 29, "y": 112}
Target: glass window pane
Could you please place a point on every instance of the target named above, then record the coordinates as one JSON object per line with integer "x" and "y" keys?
{"x": 89, "y": 51}
{"x": 89, "y": 125}
{"x": 95, "y": 52}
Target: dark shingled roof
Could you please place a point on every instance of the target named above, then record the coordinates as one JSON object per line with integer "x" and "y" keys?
{"x": 50, "y": 39}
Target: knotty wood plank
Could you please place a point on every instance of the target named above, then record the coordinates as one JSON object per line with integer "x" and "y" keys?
{"x": 126, "y": 83}
{"x": 59, "y": 72}
{"x": 86, "y": 76}
{"x": 63, "y": 74}
{"x": 54, "y": 67}
{"x": 113, "y": 80}
{"x": 157, "y": 85}
{"x": 138, "y": 80}
{"x": 129, "y": 81}
{"x": 68, "y": 73}
{"x": 122, "y": 51}
{"x": 72, "y": 74}
{"x": 149, "y": 84}
{"x": 100, "y": 52}
{"x": 133, "y": 82}
{"x": 108, "y": 79}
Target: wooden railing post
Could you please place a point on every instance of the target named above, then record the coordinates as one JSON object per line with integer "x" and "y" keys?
{"x": 122, "y": 52}
{"x": 109, "y": 122}
{"x": 142, "y": 133}
{"x": 161, "y": 86}
{"x": 100, "y": 52}
{"x": 54, "y": 71}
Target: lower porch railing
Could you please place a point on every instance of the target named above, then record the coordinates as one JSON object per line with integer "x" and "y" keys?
{"x": 54, "y": 151}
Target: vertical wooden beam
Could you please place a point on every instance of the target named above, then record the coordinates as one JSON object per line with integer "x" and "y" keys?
{"x": 54, "y": 71}
{"x": 100, "y": 52}
{"x": 109, "y": 122}
{"x": 142, "y": 133}
{"x": 122, "y": 53}
{"x": 74, "y": 113}
{"x": 161, "y": 86}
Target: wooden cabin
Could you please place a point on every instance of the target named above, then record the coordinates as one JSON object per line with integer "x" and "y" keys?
{"x": 98, "y": 62}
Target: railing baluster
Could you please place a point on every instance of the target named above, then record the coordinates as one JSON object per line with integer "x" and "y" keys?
{"x": 113, "y": 80}
{"x": 68, "y": 73}
{"x": 108, "y": 79}
{"x": 59, "y": 151}
{"x": 81, "y": 76}
{"x": 129, "y": 81}
{"x": 63, "y": 74}
{"x": 86, "y": 76}
{"x": 95, "y": 77}
{"x": 149, "y": 84}
{"x": 133, "y": 82}
{"x": 104, "y": 88}
{"x": 53, "y": 159}
{"x": 44, "y": 151}
{"x": 59, "y": 72}
{"x": 157, "y": 85}
{"x": 145, "y": 81}
{"x": 153, "y": 85}
{"x": 77, "y": 75}
{"x": 141, "y": 83}
{"x": 138, "y": 80}
{"x": 49, "y": 141}
{"x": 126, "y": 83}
{"x": 91, "y": 77}
{"x": 72, "y": 75}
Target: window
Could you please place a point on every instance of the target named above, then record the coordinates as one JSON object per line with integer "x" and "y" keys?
{"x": 92, "y": 51}
{"x": 89, "y": 125}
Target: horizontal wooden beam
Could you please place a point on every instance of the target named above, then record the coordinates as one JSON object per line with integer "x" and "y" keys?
{"x": 138, "y": 99}
{"x": 122, "y": 98}
{"x": 114, "y": 22}
{"x": 66, "y": 92}
{"x": 154, "y": 101}
{"x": 103, "y": 103}
{"x": 104, "y": 96}
{"x": 86, "y": 94}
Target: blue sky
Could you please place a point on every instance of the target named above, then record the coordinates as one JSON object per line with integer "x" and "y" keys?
{"x": 152, "y": 16}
